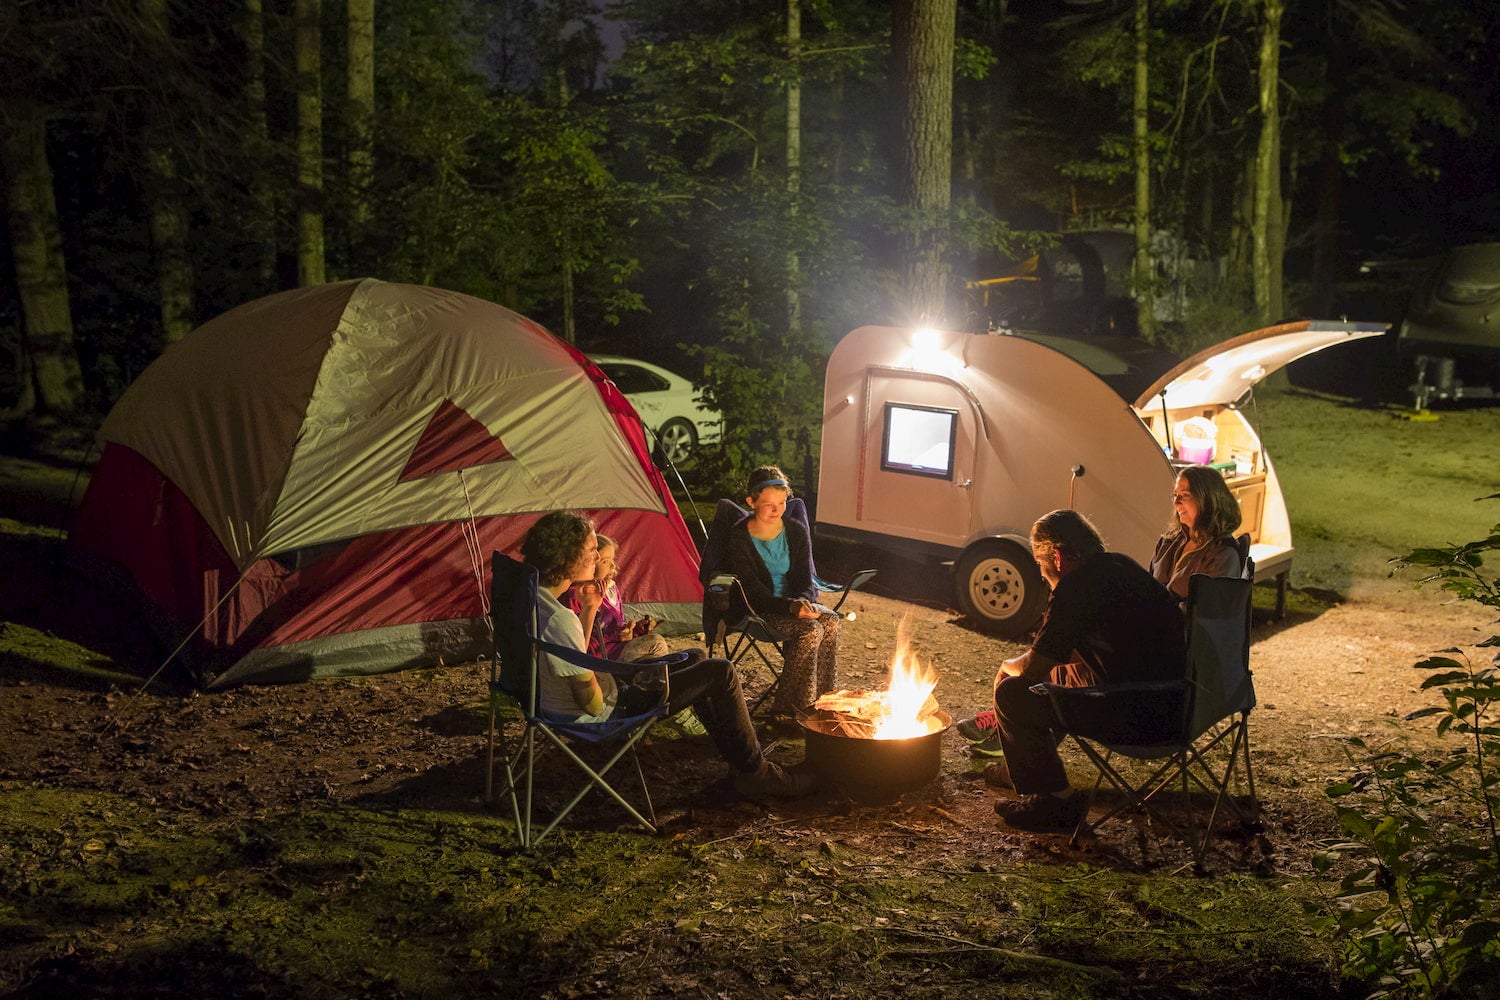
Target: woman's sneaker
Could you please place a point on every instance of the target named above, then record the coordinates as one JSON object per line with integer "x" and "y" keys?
{"x": 980, "y": 727}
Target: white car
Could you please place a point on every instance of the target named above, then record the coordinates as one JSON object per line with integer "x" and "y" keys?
{"x": 667, "y": 403}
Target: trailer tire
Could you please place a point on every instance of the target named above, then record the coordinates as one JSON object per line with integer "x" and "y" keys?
{"x": 1000, "y": 589}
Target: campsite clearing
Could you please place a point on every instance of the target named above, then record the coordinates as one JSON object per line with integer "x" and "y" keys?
{"x": 327, "y": 839}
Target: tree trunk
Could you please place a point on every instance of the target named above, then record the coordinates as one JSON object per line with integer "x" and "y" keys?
{"x": 260, "y": 227}
{"x": 922, "y": 40}
{"x": 1145, "y": 291}
{"x": 53, "y": 382}
{"x": 569, "y": 324}
{"x": 1265, "y": 258}
{"x": 307, "y": 56}
{"x": 564, "y": 245}
{"x": 793, "y": 163}
{"x": 361, "y": 92}
{"x": 1328, "y": 190}
{"x": 167, "y": 216}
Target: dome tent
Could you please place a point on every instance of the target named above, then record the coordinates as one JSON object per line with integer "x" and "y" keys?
{"x": 311, "y": 483}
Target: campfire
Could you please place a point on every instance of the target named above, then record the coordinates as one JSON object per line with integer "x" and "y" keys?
{"x": 879, "y": 744}
{"x": 906, "y": 708}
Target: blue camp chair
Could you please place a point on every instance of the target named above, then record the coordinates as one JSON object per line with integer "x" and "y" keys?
{"x": 1194, "y": 731}
{"x": 732, "y": 627}
{"x": 513, "y": 677}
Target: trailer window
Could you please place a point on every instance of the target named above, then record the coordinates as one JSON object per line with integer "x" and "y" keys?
{"x": 919, "y": 440}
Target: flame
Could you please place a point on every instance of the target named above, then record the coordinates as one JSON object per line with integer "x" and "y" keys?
{"x": 904, "y": 710}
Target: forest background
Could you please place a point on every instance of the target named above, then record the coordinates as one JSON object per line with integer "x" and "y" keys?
{"x": 726, "y": 186}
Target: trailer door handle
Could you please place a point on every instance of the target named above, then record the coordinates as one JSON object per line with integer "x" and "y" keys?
{"x": 966, "y": 484}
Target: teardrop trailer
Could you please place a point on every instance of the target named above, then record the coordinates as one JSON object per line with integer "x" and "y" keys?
{"x": 942, "y": 445}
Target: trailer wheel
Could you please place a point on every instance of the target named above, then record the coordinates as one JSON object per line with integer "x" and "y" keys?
{"x": 1000, "y": 589}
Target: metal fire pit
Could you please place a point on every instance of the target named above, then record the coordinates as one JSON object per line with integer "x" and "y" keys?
{"x": 872, "y": 770}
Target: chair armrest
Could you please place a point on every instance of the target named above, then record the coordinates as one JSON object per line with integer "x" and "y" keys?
{"x": 613, "y": 667}
{"x": 843, "y": 589}
{"x": 1123, "y": 690}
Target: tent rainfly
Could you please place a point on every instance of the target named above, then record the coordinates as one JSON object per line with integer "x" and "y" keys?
{"x": 311, "y": 484}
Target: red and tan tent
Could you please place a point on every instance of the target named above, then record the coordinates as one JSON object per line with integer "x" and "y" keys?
{"x": 311, "y": 484}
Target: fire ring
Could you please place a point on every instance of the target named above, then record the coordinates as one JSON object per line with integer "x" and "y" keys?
{"x": 871, "y": 770}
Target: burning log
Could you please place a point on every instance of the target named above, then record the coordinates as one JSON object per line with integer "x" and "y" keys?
{"x": 869, "y": 715}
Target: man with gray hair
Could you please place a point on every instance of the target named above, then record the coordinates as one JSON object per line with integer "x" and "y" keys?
{"x": 1107, "y": 621}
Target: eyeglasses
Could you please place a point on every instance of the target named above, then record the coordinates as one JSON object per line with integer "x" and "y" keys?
{"x": 1181, "y": 497}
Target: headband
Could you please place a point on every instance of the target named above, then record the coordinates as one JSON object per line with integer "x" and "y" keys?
{"x": 768, "y": 482}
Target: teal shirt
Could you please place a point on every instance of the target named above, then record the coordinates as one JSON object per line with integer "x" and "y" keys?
{"x": 777, "y": 559}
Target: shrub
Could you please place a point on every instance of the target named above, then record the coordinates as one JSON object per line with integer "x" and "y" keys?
{"x": 1419, "y": 903}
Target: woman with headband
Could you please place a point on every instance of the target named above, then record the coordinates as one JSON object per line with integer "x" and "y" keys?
{"x": 772, "y": 557}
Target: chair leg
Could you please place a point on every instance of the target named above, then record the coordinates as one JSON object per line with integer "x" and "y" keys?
{"x": 1240, "y": 745}
{"x": 489, "y": 755}
{"x": 523, "y": 813}
{"x": 743, "y": 648}
{"x": 596, "y": 779}
{"x": 645, "y": 791}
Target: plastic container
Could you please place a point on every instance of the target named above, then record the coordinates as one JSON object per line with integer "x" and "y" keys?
{"x": 1195, "y": 440}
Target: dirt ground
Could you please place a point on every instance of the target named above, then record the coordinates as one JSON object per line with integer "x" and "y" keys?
{"x": 1362, "y": 486}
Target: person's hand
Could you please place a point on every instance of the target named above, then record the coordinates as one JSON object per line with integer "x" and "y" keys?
{"x": 806, "y": 610}
{"x": 590, "y": 596}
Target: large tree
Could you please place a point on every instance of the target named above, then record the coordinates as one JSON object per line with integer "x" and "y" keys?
{"x": 307, "y": 62}
{"x": 50, "y": 378}
{"x": 360, "y": 111}
{"x": 163, "y": 187}
{"x": 259, "y": 220}
{"x": 922, "y": 40}
{"x": 1143, "y": 283}
{"x": 1267, "y": 223}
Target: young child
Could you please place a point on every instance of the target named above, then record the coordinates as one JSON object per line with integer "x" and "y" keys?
{"x": 611, "y": 637}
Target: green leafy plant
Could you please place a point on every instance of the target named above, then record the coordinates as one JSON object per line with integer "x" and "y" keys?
{"x": 1419, "y": 899}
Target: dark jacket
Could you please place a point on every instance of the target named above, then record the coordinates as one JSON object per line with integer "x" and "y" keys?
{"x": 741, "y": 559}
{"x": 1115, "y": 617}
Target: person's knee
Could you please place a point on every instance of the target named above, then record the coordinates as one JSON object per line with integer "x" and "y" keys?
{"x": 721, "y": 673}
{"x": 1012, "y": 692}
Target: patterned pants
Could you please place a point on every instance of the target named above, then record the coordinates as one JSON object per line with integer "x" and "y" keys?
{"x": 811, "y": 652}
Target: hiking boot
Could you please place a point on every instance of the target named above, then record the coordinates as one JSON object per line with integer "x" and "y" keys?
{"x": 980, "y": 727}
{"x": 772, "y": 781}
{"x": 997, "y": 775}
{"x": 1044, "y": 813}
{"x": 987, "y": 748}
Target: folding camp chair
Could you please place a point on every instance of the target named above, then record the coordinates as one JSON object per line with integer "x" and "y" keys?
{"x": 513, "y": 676}
{"x": 1177, "y": 725}
{"x": 732, "y": 626}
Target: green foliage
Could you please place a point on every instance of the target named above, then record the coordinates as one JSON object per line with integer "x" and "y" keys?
{"x": 1418, "y": 904}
